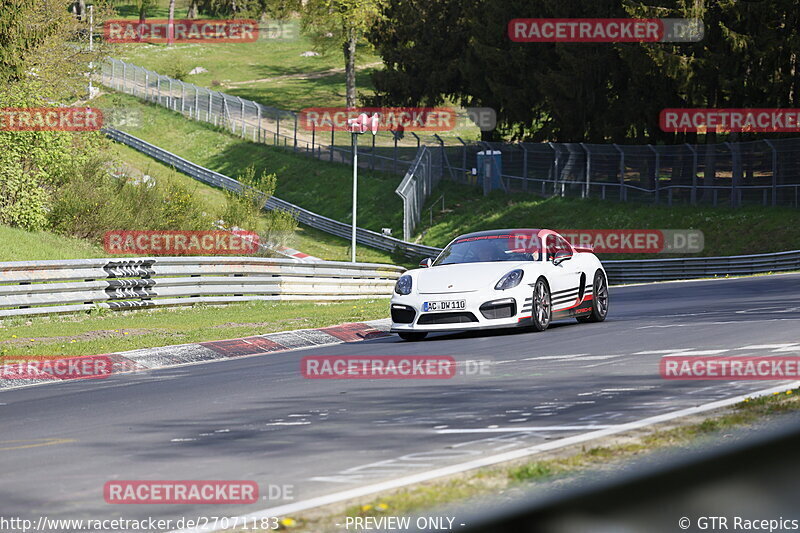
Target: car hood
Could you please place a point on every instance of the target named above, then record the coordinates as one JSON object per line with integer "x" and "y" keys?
{"x": 463, "y": 277}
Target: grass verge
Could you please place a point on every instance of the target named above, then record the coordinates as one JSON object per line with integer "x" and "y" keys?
{"x": 512, "y": 479}
{"x": 20, "y": 245}
{"x": 727, "y": 231}
{"x": 319, "y": 186}
{"x": 104, "y": 331}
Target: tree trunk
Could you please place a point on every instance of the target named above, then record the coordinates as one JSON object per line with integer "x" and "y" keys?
{"x": 192, "y": 13}
{"x": 171, "y": 23}
{"x": 349, "y": 49}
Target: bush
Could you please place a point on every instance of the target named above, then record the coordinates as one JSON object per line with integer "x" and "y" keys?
{"x": 244, "y": 209}
{"x": 95, "y": 202}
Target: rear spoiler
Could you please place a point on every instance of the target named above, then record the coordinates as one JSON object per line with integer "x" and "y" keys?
{"x": 584, "y": 249}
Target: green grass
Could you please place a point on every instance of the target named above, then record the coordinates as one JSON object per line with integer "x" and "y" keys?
{"x": 263, "y": 59}
{"x": 305, "y": 239}
{"x": 113, "y": 331}
{"x": 295, "y": 94}
{"x": 128, "y": 9}
{"x": 21, "y": 245}
{"x": 727, "y": 231}
{"x": 322, "y": 187}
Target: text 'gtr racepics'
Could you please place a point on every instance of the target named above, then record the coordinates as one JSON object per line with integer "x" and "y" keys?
{"x": 500, "y": 279}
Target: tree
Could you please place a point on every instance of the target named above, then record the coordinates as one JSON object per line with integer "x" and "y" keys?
{"x": 171, "y": 23}
{"x": 458, "y": 50}
{"x": 43, "y": 62}
{"x": 341, "y": 24}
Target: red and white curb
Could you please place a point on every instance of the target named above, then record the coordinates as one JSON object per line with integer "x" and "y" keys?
{"x": 296, "y": 254}
{"x": 186, "y": 354}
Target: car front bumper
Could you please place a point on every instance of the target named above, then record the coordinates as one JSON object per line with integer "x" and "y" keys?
{"x": 483, "y": 310}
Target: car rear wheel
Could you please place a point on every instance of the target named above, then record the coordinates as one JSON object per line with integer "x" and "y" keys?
{"x": 599, "y": 299}
{"x": 542, "y": 309}
{"x": 413, "y": 335}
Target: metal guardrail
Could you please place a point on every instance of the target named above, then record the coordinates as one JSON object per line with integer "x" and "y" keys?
{"x": 644, "y": 270}
{"x": 49, "y": 287}
{"x": 304, "y": 216}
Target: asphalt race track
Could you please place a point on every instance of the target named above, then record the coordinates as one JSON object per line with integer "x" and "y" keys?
{"x": 258, "y": 419}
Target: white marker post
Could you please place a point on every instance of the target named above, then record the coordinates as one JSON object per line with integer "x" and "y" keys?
{"x": 358, "y": 126}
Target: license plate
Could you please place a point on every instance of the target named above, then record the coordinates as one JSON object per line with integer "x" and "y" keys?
{"x": 445, "y": 305}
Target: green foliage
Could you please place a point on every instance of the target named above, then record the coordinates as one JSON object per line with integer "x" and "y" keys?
{"x": 272, "y": 9}
{"x": 244, "y": 209}
{"x": 278, "y": 228}
{"x": 44, "y": 47}
{"x": 593, "y": 92}
{"x": 177, "y": 69}
{"x": 94, "y": 202}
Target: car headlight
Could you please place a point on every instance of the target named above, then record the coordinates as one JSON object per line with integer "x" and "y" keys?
{"x": 510, "y": 280}
{"x": 403, "y": 285}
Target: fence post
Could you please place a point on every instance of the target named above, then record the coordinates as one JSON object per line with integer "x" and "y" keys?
{"x": 656, "y": 184}
{"x": 774, "y": 172}
{"x": 158, "y": 89}
{"x": 623, "y": 193}
{"x": 278, "y": 130}
{"x": 736, "y": 169}
{"x": 333, "y": 129}
{"x": 241, "y": 115}
{"x": 183, "y": 96}
{"x": 169, "y": 95}
{"x": 555, "y": 167}
{"x": 295, "y": 131}
{"x": 463, "y": 157}
{"x": 196, "y": 103}
{"x": 210, "y": 105}
{"x": 372, "y": 156}
{"x": 313, "y": 137}
{"x": 417, "y": 138}
{"x": 524, "y": 167}
{"x": 693, "y": 197}
{"x": 258, "y": 121}
{"x": 146, "y": 84}
{"x": 588, "y": 185}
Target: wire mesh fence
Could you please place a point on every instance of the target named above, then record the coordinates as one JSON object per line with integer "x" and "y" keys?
{"x": 764, "y": 172}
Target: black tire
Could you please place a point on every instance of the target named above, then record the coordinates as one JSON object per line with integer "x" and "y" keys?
{"x": 599, "y": 300}
{"x": 413, "y": 336}
{"x": 541, "y": 305}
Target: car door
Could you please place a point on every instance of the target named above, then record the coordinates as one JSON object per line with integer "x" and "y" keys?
{"x": 565, "y": 276}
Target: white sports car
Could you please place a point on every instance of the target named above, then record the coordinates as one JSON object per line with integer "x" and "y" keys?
{"x": 500, "y": 279}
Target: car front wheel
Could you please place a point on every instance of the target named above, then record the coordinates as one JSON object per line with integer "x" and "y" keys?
{"x": 599, "y": 299}
{"x": 542, "y": 310}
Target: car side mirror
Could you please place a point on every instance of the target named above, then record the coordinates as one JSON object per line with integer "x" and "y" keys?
{"x": 426, "y": 263}
{"x": 561, "y": 256}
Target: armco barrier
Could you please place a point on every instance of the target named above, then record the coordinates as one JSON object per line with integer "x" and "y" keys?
{"x": 304, "y": 216}
{"x": 644, "y": 270}
{"x": 45, "y": 287}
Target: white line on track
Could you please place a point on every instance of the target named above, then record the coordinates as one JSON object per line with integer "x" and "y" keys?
{"x": 767, "y": 346}
{"x": 657, "y": 352}
{"x": 698, "y": 352}
{"x": 358, "y": 492}
{"x": 521, "y": 429}
{"x": 553, "y": 357}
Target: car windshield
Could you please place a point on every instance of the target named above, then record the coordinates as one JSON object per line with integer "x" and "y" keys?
{"x": 492, "y": 248}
